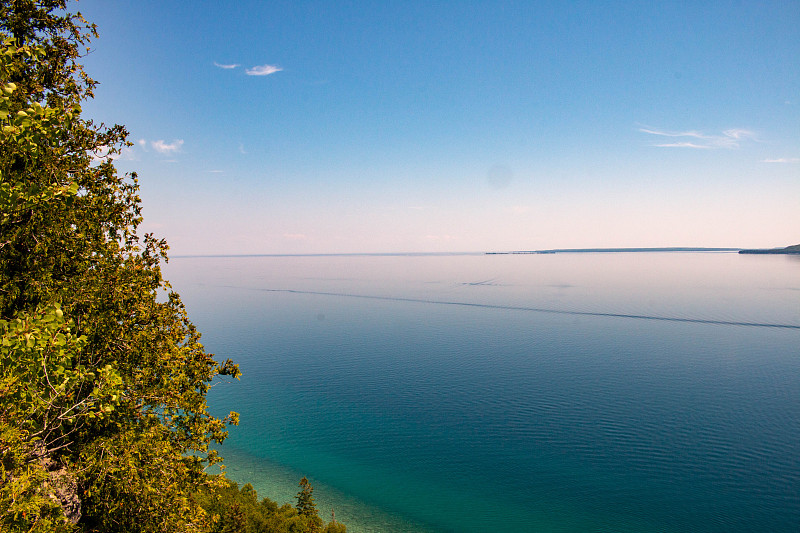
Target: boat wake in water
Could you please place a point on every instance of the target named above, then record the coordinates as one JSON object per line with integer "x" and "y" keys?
{"x": 526, "y": 308}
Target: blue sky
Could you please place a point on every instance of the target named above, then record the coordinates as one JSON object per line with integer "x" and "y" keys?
{"x": 340, "y": 127}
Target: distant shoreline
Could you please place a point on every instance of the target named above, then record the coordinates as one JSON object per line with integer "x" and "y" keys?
{"x": 795, "y": 250}
{"x": 788, "y": 250}
{"x": 615, "y": 250}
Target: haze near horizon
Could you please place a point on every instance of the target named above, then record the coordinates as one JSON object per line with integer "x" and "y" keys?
{"x": 319, "y": 127}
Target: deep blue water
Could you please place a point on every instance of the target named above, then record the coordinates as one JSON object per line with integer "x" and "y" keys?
{"x": 560, "y": 392}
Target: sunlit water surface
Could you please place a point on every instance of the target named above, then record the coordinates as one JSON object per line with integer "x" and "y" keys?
{"x": 625, "y": 392}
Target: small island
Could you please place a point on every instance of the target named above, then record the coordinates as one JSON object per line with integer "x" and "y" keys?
{"x": 795, "y": 249}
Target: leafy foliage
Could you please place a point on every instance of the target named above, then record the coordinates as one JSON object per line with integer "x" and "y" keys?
{"x": 239, "y": 510}
{"x": 103, "y": 418}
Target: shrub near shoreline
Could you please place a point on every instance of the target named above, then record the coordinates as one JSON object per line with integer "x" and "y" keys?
{"x": 237, "y": 509}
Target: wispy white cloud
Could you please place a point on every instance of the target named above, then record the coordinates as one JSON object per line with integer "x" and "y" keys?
{"x": 132, "y": 153}
{"x": 263, "y": 70}
{"x": 167, "y": 148}
{"x": 673, "y": 133}
{"x": 226, "y": 66}
{"x": 684, "y": 145}
{"x": 730, "y": 138}
{"x": 215, "y": 171}
{"x": 782, "y": 160}
{"x": 738, "y": 133}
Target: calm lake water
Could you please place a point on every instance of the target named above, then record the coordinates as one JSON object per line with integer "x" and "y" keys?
{"x": 625, "y": 392}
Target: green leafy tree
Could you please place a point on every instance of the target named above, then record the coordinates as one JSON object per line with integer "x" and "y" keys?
{"x": 234, "y": 509}
{"x": 335, "y": 527}
{"x": 44, "y": 396}
{"x": 104, "y": 424}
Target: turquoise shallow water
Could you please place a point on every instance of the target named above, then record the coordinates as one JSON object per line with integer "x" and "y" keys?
{"x": 575, "y": 392}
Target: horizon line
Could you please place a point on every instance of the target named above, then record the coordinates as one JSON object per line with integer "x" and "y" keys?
{"x": 510, "y": 252}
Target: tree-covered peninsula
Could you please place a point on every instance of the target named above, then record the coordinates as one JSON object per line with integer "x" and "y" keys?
{"x": 104, "y": 424}
{"x": 794, "y": 249}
